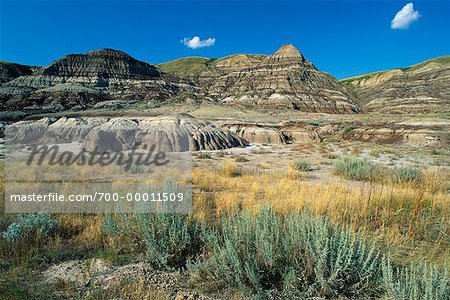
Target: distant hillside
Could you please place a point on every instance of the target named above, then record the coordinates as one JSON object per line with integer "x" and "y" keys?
{"x": 80, "y": 81}
{"x": 423, "y": 87}
{"x": 9, "y": 71}
{"x": 192, "y": 66}
{"x": 111, "y": 79}
{"x": 186, "y": 65}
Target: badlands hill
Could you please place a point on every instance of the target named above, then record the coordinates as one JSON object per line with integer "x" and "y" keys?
{"x": 9, "y": 71}
{"x": 79, "y": 81}
{"x": 283, "y": 80}
{"x": 173, "y": 133}
{"x": 424, "y": 87}
{"x": 108, "y": 79}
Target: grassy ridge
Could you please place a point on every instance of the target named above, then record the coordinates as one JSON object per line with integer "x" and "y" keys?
{"x": 188, "y": 65}
{"x": 440, "y": 60}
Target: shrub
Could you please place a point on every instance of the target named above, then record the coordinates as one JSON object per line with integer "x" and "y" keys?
{"x": 29, "y": 224}
{"x": 169, "y": 240}
{"x": 241, "y": 159}
{"x": 296, "y": 255}
{"x": 109, "y": 225}
{"x": 356, "y": 168}
{"x": 406, "y": 174}
{"x": 349, "y": 128}
{"x": 419, "y": 282}
{"x": 374, "y": 153}
{"x": 302, "y": 165}
{"x": 230, "y": 169}
{"x": 204, "y": 155}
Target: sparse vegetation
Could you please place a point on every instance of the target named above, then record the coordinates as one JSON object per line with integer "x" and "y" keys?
{"x": 349, "y": 128}
{"x": 266, "y": 234}
{"x": 230, "y": 169}
{"x": 374, "y": 153}
{"x": 221, "y": 154}
{"x": 204, "y": 155}
{"x": 331, "y": 156}
{"x": 356, "y": 168}
{"x": 186, "y": 65}
{"x": 241, "y": 158}
{"x": 260, "y": 151}
{"x": 302, "y": 165}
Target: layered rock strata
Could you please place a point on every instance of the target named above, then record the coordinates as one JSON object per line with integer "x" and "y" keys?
{"x": 79, "y": 81}
{"x": 421, "y": 88}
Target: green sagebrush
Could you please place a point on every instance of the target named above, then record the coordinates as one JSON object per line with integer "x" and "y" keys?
{"x": 356, "y": 168}
{"x": 169, "y": 239}
{"x": 297, "y": 255}
{"x": 420, "y": 282}
{"x": 29, "y": 224}
{"x": 267, "y": 255}
{"x": 362, "y": 169}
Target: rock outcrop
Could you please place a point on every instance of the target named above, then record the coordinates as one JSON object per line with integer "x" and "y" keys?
{"x": 175, "y": 133}
{"x": 258, "y": 134}
{"x": 111, "y": 80}
{"x": 424, "y": 87}
{"x": 429, "y": 134}
{"x": 100, "y": 276}
{"x": 416, "y": 134}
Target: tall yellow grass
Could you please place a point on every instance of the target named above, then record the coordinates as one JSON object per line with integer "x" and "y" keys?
{"x": 401, "y": 215}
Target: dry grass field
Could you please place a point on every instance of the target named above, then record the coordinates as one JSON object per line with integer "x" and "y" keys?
{"x": 364, "y": 208}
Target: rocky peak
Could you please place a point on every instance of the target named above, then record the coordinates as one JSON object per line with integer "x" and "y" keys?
{"x": 79, "y": 81}
{"x": 285, "y": 53}
{"x": 104, "y": 63}
{"x": 109, "y": 53}
{"x": 284, "y": 79}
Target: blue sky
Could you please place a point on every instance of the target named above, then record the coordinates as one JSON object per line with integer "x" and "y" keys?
{"x": 343, "y": 38}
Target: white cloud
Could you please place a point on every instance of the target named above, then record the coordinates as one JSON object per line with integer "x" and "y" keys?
{"x": 196, "y": 42}
{"x": 405, "y": 17}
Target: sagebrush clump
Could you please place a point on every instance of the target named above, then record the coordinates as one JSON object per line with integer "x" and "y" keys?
{"x": 294, "y": 256}
{"x": 168, "y": 240}
{"x": 356, "y": 168}
{"x": 417, "y": 282}
{"x": 302, "y": 165}
{"x": 28, "y": 224}
{"x": 406, "y": 174}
